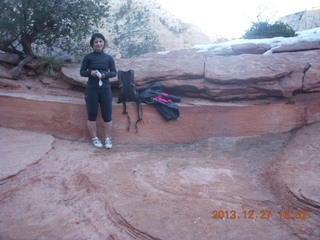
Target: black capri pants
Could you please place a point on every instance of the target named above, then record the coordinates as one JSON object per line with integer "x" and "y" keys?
{"x": 94, "y": 96}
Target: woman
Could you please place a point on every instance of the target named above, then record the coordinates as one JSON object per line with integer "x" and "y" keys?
{"x": 98, "y": 67}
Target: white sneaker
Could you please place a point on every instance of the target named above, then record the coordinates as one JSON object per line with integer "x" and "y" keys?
{"x": 108, "y": 143}
{"x": 96, "y": 142}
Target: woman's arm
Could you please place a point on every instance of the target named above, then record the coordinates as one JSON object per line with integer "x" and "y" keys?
{"x": 112, "y": 69}
{"x": 84, "y": 71}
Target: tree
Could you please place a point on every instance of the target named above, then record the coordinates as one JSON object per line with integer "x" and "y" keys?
{"x": 25, "y": 24}
{"x": 267, "y": 30}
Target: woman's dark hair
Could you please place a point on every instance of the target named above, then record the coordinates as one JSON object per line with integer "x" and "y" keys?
{"x": 97, "y": 35}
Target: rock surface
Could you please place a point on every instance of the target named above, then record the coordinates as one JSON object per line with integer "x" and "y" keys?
{"x": 13, "y": 161}
{"x": 257, "y": 69}
{"x": 12, "y": 59}
{"x": 304, "y": 20}
{"x": 256, "y": 149}
{"x": 241, "y": 83}
{"x": 162, "y": 191}
{"x": 27, "y": 104}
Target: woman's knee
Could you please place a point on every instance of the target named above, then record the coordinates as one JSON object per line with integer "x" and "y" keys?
{"x": 107, "y": 118}
{"x": 92, "y": 118}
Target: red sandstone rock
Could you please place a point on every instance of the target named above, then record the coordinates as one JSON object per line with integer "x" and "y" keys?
{"x": 311, "y": 80}
{"x": 18, "y": 150}
{"x": 250, "y": 48}
{"x": 65, "y": 116}
{"x": 9, "y": 84}
{"x": 293, "y": 175}
{"x": 55, "y": 83}
{"x": 296, "y": 47}
{"x": 162, "y": 191}
{"x": 35, "y": 64}
{"x": 9, "y": 58}
{"x": 223, "y": 78}
{"x": 4, "y": 72}
{"x": 187, "y": 64}
{"x": 71, "y": 74}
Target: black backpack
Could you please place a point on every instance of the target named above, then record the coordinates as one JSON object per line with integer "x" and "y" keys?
{"x": 128, "y": 93}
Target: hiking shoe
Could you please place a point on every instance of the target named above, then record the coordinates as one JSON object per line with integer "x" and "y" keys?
{"x": 96, "y": 142}
{"x": 108, "y": 143}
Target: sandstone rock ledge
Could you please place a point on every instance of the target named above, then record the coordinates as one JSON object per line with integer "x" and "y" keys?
{"x": 236, "y": 70}
{"x": 69, "y": 190}
{"x": 236, "y": 89}
{"x": 65, "y": 116}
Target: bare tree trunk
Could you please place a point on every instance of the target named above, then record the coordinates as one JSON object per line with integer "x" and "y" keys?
{"x": 26, "y": 41}
{"x": 25, "y": 61}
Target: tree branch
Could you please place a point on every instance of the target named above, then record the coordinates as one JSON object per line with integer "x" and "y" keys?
{"x": 25, "y": 61}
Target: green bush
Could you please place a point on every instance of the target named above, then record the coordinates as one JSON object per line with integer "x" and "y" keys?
{"x": 267, "y": 30}
{"x": 52, "y": 65}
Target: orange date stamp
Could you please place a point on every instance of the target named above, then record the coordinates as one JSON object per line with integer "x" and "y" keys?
{"x": 262, "y": 214}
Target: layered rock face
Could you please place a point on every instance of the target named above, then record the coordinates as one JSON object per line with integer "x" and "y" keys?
{"x": 304, "y": 20}
{"x": 240, "y": 70}
{"x": 236, "y": 81}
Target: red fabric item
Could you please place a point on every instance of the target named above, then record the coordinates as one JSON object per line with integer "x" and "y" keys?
{"x": 160, "y": 98}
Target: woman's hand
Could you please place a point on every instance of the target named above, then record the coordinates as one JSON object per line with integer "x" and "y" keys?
{"x": 94, "y": 73}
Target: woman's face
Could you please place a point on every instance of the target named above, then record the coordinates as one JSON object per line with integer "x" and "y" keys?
{"x": 98, "y": 44}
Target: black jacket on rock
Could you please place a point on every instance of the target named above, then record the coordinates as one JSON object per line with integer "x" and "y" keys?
{"x": 164, "y": 103}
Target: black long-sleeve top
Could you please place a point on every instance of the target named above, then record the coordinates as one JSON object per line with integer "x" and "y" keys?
{"x": 102, "y": 62}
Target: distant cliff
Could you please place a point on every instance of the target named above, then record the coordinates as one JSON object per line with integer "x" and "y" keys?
{"x": 135, "y": 27}
{"x": 304, "y": 20}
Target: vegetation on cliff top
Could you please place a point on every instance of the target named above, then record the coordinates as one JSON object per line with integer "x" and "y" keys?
{"x": 25, "y": 24}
